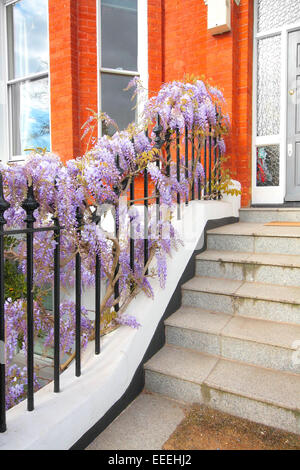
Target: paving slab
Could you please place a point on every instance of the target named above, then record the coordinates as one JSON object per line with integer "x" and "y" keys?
{"x": 146, "y": 424}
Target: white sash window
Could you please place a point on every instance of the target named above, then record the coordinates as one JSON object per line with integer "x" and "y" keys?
{"x": 25, "y": 116}
{"x": 123, "y": 54}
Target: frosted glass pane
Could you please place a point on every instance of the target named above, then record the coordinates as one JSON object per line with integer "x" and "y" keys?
{"x": 268, "y": 86}
{"x": 276, "y": 13}
{"x": 267, "y": 165}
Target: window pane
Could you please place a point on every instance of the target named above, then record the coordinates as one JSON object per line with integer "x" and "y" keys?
{"x": 119, "y": 34}
{"x": 115, "y": 101}
{"x": 267, "y": 165}
{"x": 268, "y": 86}
{"x": 30, "y": 115}
{"x": 276, "y": 13}
{"x": 27, "y": 26}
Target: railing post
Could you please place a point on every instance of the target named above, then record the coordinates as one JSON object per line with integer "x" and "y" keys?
{"x": 79, "y": 219}
{"x": 186, "y": 145}
{"x": 117, "y": 230}
{"x": 4, "y": 205}
{"x": 193, "y": 164}
{"x": 168, "y": 144}
{"x": 96, "y": 219}
{"x": 178, "y": 170}
{"x": 30, "y": 205}
{"x": 205, "y": 166}
{"x": 146, "y": 220}
{"x": 209, "y": 156}
{"x": 56, "y": 306}
{"x": 158, "y": 142}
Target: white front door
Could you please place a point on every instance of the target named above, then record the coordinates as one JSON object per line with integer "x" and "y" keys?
{"x": 273, "y": 23}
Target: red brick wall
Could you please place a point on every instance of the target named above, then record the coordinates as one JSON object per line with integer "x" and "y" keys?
{"x": 184, "y": 46}
{"x": 179, "y": 44}
{"x": 73, "y": 72}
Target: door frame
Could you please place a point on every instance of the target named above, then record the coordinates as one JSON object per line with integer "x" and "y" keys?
{"x": 271, "y": 194}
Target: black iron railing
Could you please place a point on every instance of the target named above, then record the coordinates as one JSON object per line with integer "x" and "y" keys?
{"x": 195, "y": 149}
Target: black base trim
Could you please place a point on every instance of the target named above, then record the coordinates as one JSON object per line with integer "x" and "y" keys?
{"x": 138, "y": 382}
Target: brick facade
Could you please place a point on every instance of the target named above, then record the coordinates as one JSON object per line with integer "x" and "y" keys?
{"x": 179, "y": 44}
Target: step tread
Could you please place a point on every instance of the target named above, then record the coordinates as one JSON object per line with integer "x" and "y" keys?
{"x": 268, "y": 259}
{"x": 198, "y": 319}
{"x": 282, "y": 335}
{"x": 257, "y": 230}
{"x": 253, "y": 290}
{"x": 182, "y": 363}
{"x": 274, "y": 387}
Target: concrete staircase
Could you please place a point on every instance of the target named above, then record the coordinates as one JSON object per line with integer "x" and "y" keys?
{"x": 235, "y": 342}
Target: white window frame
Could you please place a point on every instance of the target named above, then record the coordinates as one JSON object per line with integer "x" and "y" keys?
{"x": 271, "y": 194}
{"x": 6, "y": 155}
{"x": 142, "y": 61}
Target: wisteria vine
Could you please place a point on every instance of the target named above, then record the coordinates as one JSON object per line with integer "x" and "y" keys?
{"x": 97, "y": 183}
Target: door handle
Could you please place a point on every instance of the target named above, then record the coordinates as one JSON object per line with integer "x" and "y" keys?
{"x": 290, "y": 150}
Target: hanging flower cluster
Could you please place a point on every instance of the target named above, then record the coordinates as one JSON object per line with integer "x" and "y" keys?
{"x": 97, "y": 183}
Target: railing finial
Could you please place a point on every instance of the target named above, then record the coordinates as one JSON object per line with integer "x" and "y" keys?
{"x": 30, "y": 204}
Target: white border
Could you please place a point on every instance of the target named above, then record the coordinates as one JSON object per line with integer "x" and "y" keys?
{"x": 142, "y": 61}
{"x": 276, "y": 194}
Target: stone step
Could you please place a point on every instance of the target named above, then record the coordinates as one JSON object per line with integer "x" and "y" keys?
{"x": 255, "y": 238}
{"x": 255, "y": 393}
{"x": 264, "y": 343}
{"x": 248, "y": 299}
{"x": 258, "y": 267}
{"x": 265, "y": 215}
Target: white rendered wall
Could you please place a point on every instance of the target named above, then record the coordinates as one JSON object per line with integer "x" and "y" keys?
{"x": 60, "y": 420}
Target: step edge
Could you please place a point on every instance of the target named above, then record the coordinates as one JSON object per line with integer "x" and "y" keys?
{"x": 227, "y": 389}
{"x": 231, "y": 336}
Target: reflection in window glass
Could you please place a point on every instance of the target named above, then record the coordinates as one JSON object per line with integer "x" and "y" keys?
{"x": 267, "y": 160}
{"x": 30, "y": 115}
{"x": 119, "y": 34}
{"x": 27, "y": 37}
{"x": 115, "y": 101}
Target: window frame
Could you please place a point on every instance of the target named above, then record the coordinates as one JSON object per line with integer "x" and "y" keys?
{"x": 6, "y": 85}
{"x": 142, "y": 52}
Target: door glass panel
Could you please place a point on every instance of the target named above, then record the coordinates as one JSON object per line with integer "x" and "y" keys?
{"x": 276, "y": 13}
{"x": 116, "y": 102}
{"x": 267, "y": 165}
{"x": 268, "y": 86}
{"x": 119, "y": 34}
{"x": 27, "y": 37}
{"x": 30, "y": 115}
